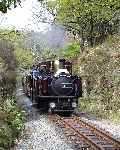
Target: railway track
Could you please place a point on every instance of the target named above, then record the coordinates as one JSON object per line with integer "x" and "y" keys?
{"x": 85, "y": 135}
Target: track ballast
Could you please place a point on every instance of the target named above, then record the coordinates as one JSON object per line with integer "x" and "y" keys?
{"x": 85, "y": 135}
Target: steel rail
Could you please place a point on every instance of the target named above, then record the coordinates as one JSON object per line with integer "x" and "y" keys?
{"x": 69, "y": 132}
{"x": 94, "y": 145}
{"x": 99, "y": 132}
{"x": 88, "y": 133}
{"x": 79, "y": 134}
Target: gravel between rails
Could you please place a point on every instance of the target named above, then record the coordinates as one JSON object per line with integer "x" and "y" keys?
{"x": 40, "y": 133}
{"x": 106, "y": 125}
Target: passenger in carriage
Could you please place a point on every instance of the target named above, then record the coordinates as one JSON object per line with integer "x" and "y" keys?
{"x": 35, "y": 72}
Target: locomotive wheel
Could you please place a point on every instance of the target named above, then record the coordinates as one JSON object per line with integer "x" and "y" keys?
{"x": 38, "y": 103}
{"x": 42, "y": 104}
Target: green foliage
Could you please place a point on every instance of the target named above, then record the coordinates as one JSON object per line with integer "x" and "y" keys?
{"x": 48, "y": 54}
{"x": 24, "y": 57}
{"x": 13, "y": 36}
{"x": 91, "y": 20}
{"x": 72, "y": 50}
{"x": 15, "y": 121}
{"x": 8, "y": 68}
{"x": 13, "y": 57}
{"x": 95, "y": 108}
{"x": 6, "y": 4}
{"x": 5, "y": 137}
{"x": 94, "y": 21}
{"x": 100, "y": 69}
{"x": 11, "y": 123}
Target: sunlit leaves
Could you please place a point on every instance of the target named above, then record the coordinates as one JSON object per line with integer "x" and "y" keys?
{"x": 90, "y": 19}
{"x": 24, "y": 57}
{"x": 48, "y": 54}
{"x": 71, "y": 51}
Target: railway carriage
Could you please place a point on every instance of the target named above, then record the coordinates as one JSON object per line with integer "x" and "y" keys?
{"x": 53, "y": 87}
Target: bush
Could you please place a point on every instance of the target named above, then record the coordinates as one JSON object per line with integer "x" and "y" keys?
{"x": 12, "y": 123}
{"x": 96, "y": 108}
{"x": 6, "y": 138}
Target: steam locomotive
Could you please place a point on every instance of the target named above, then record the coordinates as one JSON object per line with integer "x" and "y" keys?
{"x": 53, "y": 87}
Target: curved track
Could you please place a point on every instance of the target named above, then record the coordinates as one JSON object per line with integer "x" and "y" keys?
{"x": 85, "y": 135}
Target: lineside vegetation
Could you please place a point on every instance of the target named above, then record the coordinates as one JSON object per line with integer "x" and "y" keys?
{"x": 95, "y": 27}
{"x": 14, "y": 58}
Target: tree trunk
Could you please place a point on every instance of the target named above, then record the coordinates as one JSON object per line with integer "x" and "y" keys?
{"x": 82, "y": 41}
{"x": 91, "y": 30}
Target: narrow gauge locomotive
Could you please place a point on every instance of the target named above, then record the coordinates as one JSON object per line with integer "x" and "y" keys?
{"x": 53, "y": 86}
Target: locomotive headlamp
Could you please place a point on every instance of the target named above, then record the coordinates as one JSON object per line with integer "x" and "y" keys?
{"x": 68, "y": 100}
{"x": 52, "y": 105}
{"x": 74, "y": 105}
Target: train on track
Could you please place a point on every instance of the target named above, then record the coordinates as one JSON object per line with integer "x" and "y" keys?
{"x": 52, "y": 86}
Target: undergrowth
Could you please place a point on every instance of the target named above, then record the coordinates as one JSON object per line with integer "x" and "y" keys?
{"x": 97, "y": 109}
{"x": 11, "y": 123}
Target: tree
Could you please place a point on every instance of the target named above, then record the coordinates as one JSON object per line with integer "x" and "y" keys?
{"x": 13, "y": 57}
{"x": 48, "y": 54}
{"x": 6, "y": 4}
{"x": 21, "y": 53}
{"x": 91, "y": 20}
{"x": 71, "y": 51}
{"x": 8, "y": 72}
